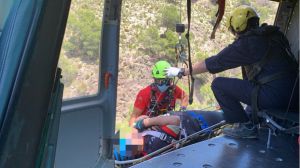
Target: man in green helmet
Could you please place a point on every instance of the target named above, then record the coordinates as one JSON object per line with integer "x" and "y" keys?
{"x": 160, "y": 96}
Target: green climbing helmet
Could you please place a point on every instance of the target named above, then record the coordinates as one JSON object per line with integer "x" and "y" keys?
{"x": 158, "y": 70}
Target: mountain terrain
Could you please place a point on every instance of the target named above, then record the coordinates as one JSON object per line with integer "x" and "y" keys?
{"x": 147, "y": 35}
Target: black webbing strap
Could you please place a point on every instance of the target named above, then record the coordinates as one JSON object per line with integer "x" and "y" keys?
{"x": 187, "y": 36}
{"x": 154, "y": 108}
{"x": 162, "y": 136}
{"x": 256, "y": 70}
{"x": 258, "y": 66}
{"x": 254, "y": 93}
{"x": 290, "y": 56}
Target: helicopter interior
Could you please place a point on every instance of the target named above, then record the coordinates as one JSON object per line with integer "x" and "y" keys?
{"x": 41, "y": 129}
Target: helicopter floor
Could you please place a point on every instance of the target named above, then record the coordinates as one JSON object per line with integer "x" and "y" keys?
{"x": 226, "y": 152}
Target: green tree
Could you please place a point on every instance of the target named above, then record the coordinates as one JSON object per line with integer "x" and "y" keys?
{"x": 169, "y": 17}
{"x": 84, "y": 35}
{"x": 169, "y": 43}
{"x": 148, "y": 39}
{"x": 153, "y": 44}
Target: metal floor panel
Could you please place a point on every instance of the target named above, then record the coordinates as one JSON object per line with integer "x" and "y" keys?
{"x": 225, "y": 152}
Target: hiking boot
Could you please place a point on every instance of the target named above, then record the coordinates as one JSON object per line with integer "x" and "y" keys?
{"x": 241, "y": 130}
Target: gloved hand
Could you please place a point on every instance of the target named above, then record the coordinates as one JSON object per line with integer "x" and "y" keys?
{"x": 139, "y": 125}
{"x": 174, "y": 71}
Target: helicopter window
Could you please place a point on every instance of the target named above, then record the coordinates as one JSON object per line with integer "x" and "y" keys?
{"x": 79, "y": 58}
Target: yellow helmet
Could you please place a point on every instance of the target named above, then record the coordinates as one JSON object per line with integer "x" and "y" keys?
{"x": 237, "y": 21}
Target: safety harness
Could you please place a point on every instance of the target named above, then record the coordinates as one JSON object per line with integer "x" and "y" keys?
{"x": 275, "y": 38}
{"x": 157, "y": 108}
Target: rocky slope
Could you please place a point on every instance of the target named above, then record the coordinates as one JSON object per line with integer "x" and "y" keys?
{"x": 135, "y": 66}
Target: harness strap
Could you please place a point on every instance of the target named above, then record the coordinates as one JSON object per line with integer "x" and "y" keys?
{"x": 259, "y": 82}
{"x": 257, "y": 67}
{"x": 285, "y": 47}
{"x": 171, "y": 98}
{"x": 154, "y": 108}
{"x": 162, "y": 136}
{"x": 183, "y": 133}
{"x": 254, "y": 93}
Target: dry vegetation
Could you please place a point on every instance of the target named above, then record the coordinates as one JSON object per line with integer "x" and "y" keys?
{"x": 142, "y": 23}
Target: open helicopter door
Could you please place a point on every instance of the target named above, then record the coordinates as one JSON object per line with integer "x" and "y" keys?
{"x": 87, "y": 123}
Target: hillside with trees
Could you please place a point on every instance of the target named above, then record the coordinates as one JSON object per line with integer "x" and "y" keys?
{"x": 147, "y": 35}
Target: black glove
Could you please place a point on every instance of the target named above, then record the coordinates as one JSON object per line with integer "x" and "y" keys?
{"x": 181, "y": 73}
{"x": 139, "y": 125}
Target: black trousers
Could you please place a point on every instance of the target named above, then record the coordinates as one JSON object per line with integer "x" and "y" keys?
{"x": 231, "y": 92}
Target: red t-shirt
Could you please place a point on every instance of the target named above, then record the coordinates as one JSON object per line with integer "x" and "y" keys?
{"x": 143, "y": 98}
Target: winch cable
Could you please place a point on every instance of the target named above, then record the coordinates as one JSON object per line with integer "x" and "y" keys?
{"x": 187, "y": 36}
{"x": 180, "y": 51}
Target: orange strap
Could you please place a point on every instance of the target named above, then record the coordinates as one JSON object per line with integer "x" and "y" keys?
{"x": 107, "y": 76}
{"x": 169, "y": 131}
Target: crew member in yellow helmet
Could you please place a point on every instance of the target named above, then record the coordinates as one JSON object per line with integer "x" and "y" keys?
{"x": 269, "y": 72}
